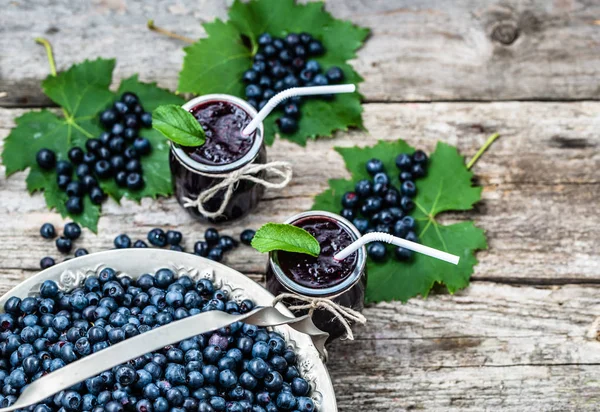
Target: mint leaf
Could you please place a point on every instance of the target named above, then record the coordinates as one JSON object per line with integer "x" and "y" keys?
{"x": 83, "y": 92}
{"x": 447, "y": 186}
{"x": 178, "y": 125}
{"x": 215, "y": 64}
{"x": 290, "y": 238}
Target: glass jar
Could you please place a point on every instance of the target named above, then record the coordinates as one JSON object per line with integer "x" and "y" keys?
{"x": 348, "y": 292}
{"x": 192, "y": 177}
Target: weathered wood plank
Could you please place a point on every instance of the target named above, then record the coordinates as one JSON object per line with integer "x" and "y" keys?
{"x": 419, "y": 50}
{"x": 541, "y": 188}
{"x": 490, "y": 347}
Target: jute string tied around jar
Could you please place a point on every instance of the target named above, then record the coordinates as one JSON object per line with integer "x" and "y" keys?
{"x": 343, "y": 314}
{"x": 231, "y": 180}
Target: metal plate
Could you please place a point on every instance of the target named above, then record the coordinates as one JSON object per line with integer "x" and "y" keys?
{"x": 136, "y": 262}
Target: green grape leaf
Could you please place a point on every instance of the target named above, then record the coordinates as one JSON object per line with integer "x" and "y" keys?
{"x": 289, "y": 238}
{"x": 178, "y": 125}
{"x": 215, "y": 64}
{"x": 447, "y": 187}
{"x": 83, "y": 92}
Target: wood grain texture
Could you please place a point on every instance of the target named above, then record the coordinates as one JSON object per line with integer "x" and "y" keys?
{"x": 490, "y": 347}
{"x": 541, "y": 184}
{"x": 420, "y": 50}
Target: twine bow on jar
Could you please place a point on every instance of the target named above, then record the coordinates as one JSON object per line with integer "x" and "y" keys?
{"x": 231, "y": 180}
{"x": 343, "y": 314}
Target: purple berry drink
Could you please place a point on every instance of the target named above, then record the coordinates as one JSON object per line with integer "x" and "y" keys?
{"x": 344, "y": 282}
{"x": 196, "y": 169}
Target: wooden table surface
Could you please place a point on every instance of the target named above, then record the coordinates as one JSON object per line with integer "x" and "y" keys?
{"x": 523, "y": 336}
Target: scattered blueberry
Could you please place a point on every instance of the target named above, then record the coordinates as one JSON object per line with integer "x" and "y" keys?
{"x": 246, "y": 236}
{"x": 157, "y": 237}
{"x": 46, "y": 262}
{"x": 122, "y": 242}
{"x": 64, "y": 244}
{"x": 72, "y": 231}
{"x": 174, "y": 237}
{"x": 47, "y": 231}
{"x": 81, "y": 252}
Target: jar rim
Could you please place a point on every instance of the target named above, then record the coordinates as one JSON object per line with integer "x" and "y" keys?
{"x": 341, "y": 287}
{"x": 248, "y": 158}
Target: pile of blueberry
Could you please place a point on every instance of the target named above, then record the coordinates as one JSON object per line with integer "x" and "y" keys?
{"x": 377, "y": 206}
{"x": 239, "y": 368}
{"x": 213, "y": 247}
{"x": 64, "y": 243}
{"x": 115, "y": 154}
{"x": 282, "y": 64}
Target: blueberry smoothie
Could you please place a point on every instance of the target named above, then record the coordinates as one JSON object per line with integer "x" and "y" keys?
{"x": 343, "y": 282}
{"x": 196, "y": 169}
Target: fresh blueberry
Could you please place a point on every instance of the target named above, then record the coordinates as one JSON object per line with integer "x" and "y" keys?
{"x": 108, "y": 118}
{"x": 82, "y": 170}
{"x": 305, "y": 404}
{"x": 142, "y": 146}
{"x": 46, "y": 159}
{"x": 391, "y": 197}
{"x": 315, "y": 48}
{"x": 117, "y": 145}
{"x": 135, "y": 181}
{"x": 88, "y": 182}
{"x": 74, "y": 205}
{"x": 404, "y": 162}
{"x": 75, "y": 155}
{"x": 146, "y": 119}
{"x": 361, "y": 224}
{"x": 407, "y": 204}
{"x": 64, "y": 244}
{"x": 418, "y": 170}
{"x": 47, "y": 231}
{"x": 49, "y": 289}
{"x": 72, "y": 231}
{"x": 409, "y": 188}
{"x": 371, "y": 206}
{"x": 374, "y": 166}
{"x": 363, "y": 188}
{"x": 75, "y": 188}
{"x": 250, "y": 76}
{"x": 349, "y": 214}
{"x": 227, "y": 243}
{"x": 62, "y": 181}
{"x": 335, "y": 75}
{"x": 419, "y": 157}
{"x": 246, "y": 236}
{"x": 291, "y": 110}
{"x": 258, "y": 368}
{"x": 287, "y": 124}
{"x": 211, "y": 235}
{"x": 174, "y": 237}
{"x": 140, "y": 244}
{"x": 103, "y": 169}
{"x": 412, "y": 237}
{"x": 405, "y": 176}
{"x": 216, "y": 254}
{"x": 377, "y": 251}
{"x": 403, "y": 254}
{"x": 157, "y": 237}
{"x": 64, "y": 168}
{"x": 97, "y": 196}
{"x": 122, "y": 242}
{"x": 273, "y": 381}
{"x": 253, "y": 91}
{"x": 201, "y": 248}
{"x": 121, "y": 178}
